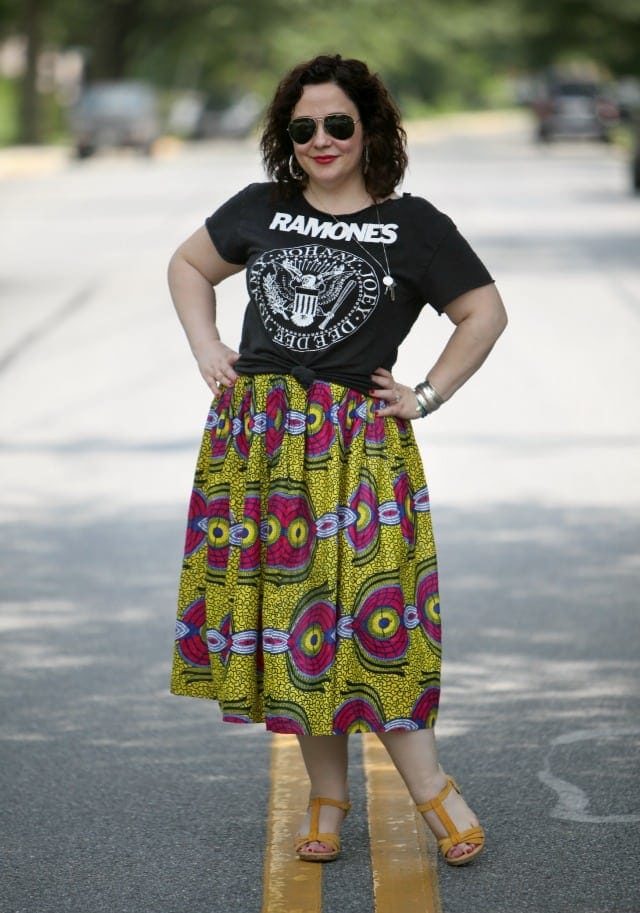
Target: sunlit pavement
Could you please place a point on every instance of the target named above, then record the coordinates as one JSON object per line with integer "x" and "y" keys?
{"x": 118, "y": 796}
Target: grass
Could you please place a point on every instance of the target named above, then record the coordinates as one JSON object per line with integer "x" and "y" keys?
{"x": 53, "y": 116}
{"x": 8, "y": 112}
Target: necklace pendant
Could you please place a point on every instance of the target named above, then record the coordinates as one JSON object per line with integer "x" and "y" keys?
{"x": 389, "y": 286}
{"x": 387, "y": 280}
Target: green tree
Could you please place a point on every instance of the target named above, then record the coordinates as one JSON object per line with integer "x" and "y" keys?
{"x": 438, "y": 52}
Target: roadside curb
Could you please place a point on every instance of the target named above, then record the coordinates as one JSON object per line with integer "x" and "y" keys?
{"x": 32, "y": 161}
{"x": 35, "y": 161}
{"x": 467, "y": 123}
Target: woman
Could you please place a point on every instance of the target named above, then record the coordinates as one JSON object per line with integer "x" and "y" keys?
{"x": 309, "y": 589}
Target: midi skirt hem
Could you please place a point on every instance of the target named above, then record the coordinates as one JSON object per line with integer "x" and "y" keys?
{"x": 286, "y": 726}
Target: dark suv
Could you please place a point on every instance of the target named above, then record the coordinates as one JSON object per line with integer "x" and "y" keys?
{"x": 575, "y": 108}
{"x": 115, "y": 114}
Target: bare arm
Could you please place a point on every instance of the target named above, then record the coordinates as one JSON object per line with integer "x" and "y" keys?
{"x": 480, "y": 318}
{"x": 194, "y": 269}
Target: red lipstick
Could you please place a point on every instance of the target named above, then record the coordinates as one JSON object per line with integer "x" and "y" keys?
{"x": 325, "y": 159}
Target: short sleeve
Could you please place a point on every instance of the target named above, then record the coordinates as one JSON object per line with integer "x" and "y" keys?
{"x": 226, "y": 227}
{"x": 453, "y": 269}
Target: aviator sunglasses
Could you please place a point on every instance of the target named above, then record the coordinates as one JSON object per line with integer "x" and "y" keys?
{"x": 339, "y": 126}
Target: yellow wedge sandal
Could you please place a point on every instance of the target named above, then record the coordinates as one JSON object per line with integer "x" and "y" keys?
{"x": 474, "y": 835}
{"x": 331, "y": 839}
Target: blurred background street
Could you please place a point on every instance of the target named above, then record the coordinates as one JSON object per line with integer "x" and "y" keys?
{"x": 117, "y": 796}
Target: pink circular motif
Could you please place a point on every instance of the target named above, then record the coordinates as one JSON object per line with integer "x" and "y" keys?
{"x": 404, "y": 498}
{"x": 196, "y": 523}
{"x": 425, "y": 709}
{"x": 244, "y": 426}
{"x": 428, "y": 606}
{"x": 250, "y": 534}
{"x": 218, "y": 532}
{"x": 284, "y": 724}
{"x": 312, "y": 641}
{"x": 276, "y": 411}
{"x": 364, "y": 531}
{"x": 378, "y": 624}
{"x": 220, "y": 433}
{"x": 290, "y": 532}
{"x": 320, "y": 427}
{"x": 356, "y": 715}
{"x": 349, "y": 421}
{"x": 192, "y": 643}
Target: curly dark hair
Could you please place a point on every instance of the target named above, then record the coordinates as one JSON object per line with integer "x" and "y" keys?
{"x": 384, "y": 135}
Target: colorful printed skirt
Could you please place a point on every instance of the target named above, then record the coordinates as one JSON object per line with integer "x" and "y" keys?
{"x": 309, "y": 589}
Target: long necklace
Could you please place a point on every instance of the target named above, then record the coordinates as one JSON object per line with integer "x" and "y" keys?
{"x": 387, "y": 280}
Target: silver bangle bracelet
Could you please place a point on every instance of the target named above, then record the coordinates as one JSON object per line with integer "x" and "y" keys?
{"x": 431, "y": 391}
{"x": 428, "y": 396}
{"x": 423, "y": 405}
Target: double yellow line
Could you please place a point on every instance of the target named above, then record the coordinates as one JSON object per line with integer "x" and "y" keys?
{"x": 403, "y": 853}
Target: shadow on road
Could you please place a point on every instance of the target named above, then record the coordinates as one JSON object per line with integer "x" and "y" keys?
{"x": 119, "y": 796}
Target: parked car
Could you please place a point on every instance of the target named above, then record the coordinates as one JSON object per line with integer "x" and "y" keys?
{"x": 635, "y": 156}
{"x": 234, "y": 120}
{"x": 575, "y": 108}
{"x": 110, "y": 114}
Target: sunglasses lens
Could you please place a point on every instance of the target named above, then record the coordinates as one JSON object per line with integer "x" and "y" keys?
{"x": 302, "y": 129}
{"x": 339, "y": 126}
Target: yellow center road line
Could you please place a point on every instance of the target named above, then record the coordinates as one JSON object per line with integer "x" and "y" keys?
{"x": 289, "y": 885}
{"x": 403, "y": 851}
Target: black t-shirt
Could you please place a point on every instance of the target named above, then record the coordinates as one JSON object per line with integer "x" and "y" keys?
{"x": 317, "y": 304}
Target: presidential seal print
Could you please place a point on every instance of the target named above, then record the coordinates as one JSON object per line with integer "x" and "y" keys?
{"x": 309, "y": 298}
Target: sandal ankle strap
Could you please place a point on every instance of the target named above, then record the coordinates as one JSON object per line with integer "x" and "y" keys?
{"x": 435, "y": 803}
{"x": 314, "y": 824}
{"x": 473, "y": 835}
{"x": 323, "y": 800}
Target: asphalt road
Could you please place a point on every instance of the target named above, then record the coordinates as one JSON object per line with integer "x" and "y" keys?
{"x": 120, "y": 797}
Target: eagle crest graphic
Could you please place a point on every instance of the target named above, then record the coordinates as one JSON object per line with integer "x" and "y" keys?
{"x": 306, "y": 295}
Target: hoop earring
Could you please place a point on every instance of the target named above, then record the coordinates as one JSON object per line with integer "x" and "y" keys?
{"x": 296, "y": 172}
{"x": 365, "y": 166}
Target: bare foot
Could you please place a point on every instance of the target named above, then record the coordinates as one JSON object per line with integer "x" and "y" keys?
{"x": 457, "y": 809}
{"x": 330, "y": 821}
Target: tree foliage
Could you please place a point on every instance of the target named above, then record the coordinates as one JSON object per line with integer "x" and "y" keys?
{"x": 438, "y": 52}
